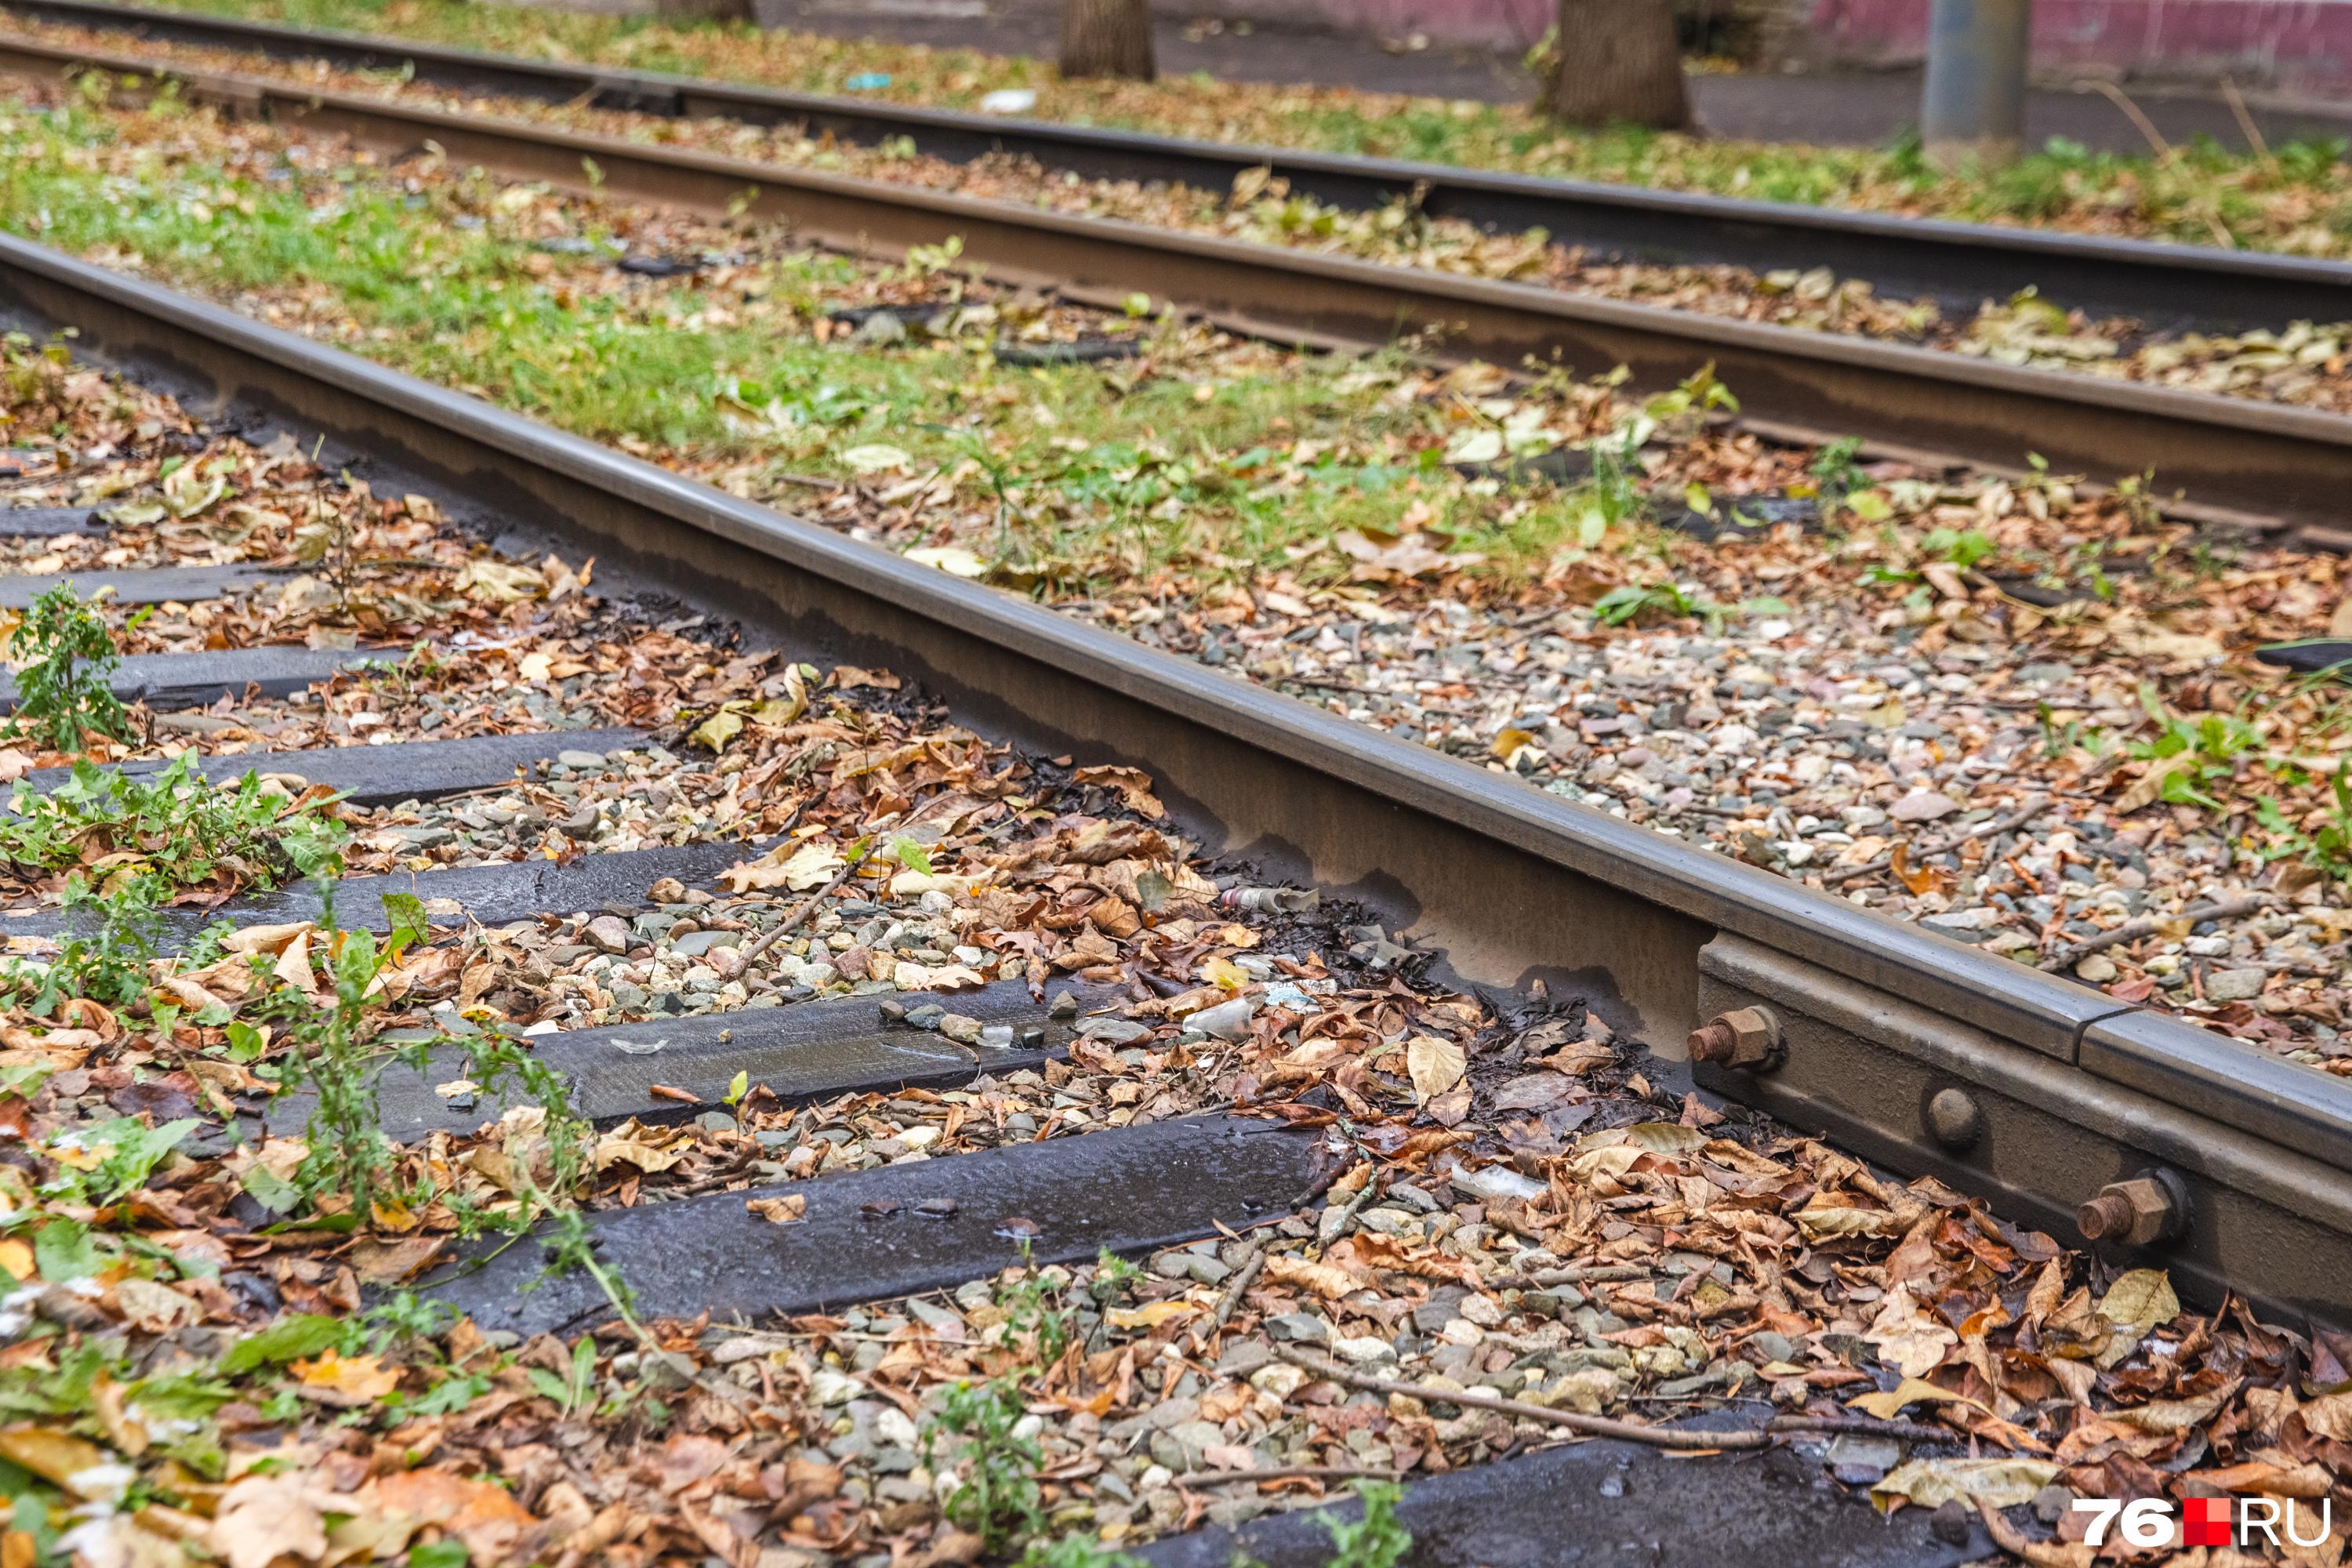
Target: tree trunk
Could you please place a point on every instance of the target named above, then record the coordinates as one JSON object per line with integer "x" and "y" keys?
{"x": 1106, "y": 37}
{"x": 1618, "y": 64}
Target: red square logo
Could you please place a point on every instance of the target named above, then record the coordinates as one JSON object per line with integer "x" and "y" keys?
{"x": 2205, "y": 1522}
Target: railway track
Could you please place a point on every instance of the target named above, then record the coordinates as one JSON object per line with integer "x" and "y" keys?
{"x": 1958, "y": 264}
{"x": 2266, "y": 468}
{"x": 2070, "y": 1113}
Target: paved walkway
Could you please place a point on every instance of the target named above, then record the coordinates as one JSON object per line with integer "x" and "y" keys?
{"x": 1854, "y": 108}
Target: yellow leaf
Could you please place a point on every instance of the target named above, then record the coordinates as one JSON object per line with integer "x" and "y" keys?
{"x": 1910, "y": 1391}
{"x": 721, "y": 727}
{"x": 1224, "y": 974}
{"x": 808, "y": 865}
{"x": 495, "y": 580}
{"x": 358, "y": 1377}
{"x": 1507, "y": 744}
{"x": 16, "y": 1259}
{"x": 1148, "y": 1316}
{"x": 2140, "y": 1300}
{"x": 782, "y": 1210}
{"x": 1997, "y": 1483}
{"x": 1436, "y": 1063}
{"x": 535, "y": 668}
{"x": 953, "y": 558}
{"x": 55, "y": 1457}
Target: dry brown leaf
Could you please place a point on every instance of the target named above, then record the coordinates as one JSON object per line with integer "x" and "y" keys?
{"x": 263, "y": 1519}
{"x": 1327, "y": 1279}
{"x": 783, "y": 1209}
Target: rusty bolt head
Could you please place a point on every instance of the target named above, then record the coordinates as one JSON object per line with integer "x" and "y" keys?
{"x": 1743, "y": 1038}
{"x": 1956, "y": 1118}
{"x": 2133, "y": 1213}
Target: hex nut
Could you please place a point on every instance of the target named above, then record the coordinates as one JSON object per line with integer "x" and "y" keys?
{"x": 2135, "y": 1213}
{"x": 1955, "y": 1119}
{"x": 1743, "y": 1038}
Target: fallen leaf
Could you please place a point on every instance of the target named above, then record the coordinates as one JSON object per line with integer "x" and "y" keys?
{"x": 780, "y": 1210}
{"x": 1148, "y": 1316}
{"x": 1997, "y": 1483}
{"x": 874, "y": 457}
{"x": 56, "y": 1456}
{"x": 1133, "y": 785}
{"x": 2140, "y": 1299}
{"x": 650, "y": 1150}
{"x": 358, "y": 1379}
{"x": 262, "y": 1519}
{"x": 1910, "y": 1391}
{"x": 483, "y": 1515}
{"x": 1323, "y": 1278}
{"x": 807, "y": 866}
{"x": 953, "y": 558}
{"x": 1436, "y": 1063}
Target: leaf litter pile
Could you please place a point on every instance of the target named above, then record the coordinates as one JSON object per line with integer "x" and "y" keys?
{"x": 211, "y": 1352}
{"x": 2304, "y": 364}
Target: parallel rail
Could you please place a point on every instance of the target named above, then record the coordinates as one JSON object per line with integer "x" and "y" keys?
{"x": 2259, "y": 465}
{"x": 1958, "y": 264}
{"x": 1925, "y": 1054}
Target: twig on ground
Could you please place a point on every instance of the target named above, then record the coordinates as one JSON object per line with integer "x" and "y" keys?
{"x": 1575, "y": 1421}
{"x": 1574, "y": 1274}
{"x": 1287, "y": 1473}
{"x": 1244, "y": 1278}
{"x": 2147, "y": 925}
{"x": 791, "y": 922}
{"x": 1991, "y": 827}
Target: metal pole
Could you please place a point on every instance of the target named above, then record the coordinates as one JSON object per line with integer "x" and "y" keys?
{"x": 1974, "y": 109}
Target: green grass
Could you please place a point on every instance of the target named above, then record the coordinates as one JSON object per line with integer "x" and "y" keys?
{"x": 1089, "y": 469}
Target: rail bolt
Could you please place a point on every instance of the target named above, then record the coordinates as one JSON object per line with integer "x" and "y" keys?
{"x": 1956, "y": 1120}
{"x": 2138, "y": 1213}
{"x": 1744, "y": 1037}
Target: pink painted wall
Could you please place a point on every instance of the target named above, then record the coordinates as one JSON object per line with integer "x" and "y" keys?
{"x": 1496, "y": 24}
{"x": 2291, "y": 46}
{"x": 2301, "y": 46}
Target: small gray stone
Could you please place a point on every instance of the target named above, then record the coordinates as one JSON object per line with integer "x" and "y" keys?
{"x": 609, "y": 932}
{"x": 1115, "y": 1031}
{"x": 698, "y": 944}
{"x": 593, "y": 760}
{"x": 2097, "y": 968}
{"x": 1923, "y": 805}
{"x": 1302, "y": 1326}
{"x": 2234, "y": 985}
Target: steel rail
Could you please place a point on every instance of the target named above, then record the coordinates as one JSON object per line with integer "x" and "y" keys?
{"x": 2260, "y": 465}
{"x": 1916, "y": 1050}
{"x": 1958, "y": 264}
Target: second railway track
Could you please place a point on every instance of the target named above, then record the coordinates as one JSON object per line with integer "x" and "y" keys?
{"x": 1935, "y": 1060}
{"x": 2272, "y": 467}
